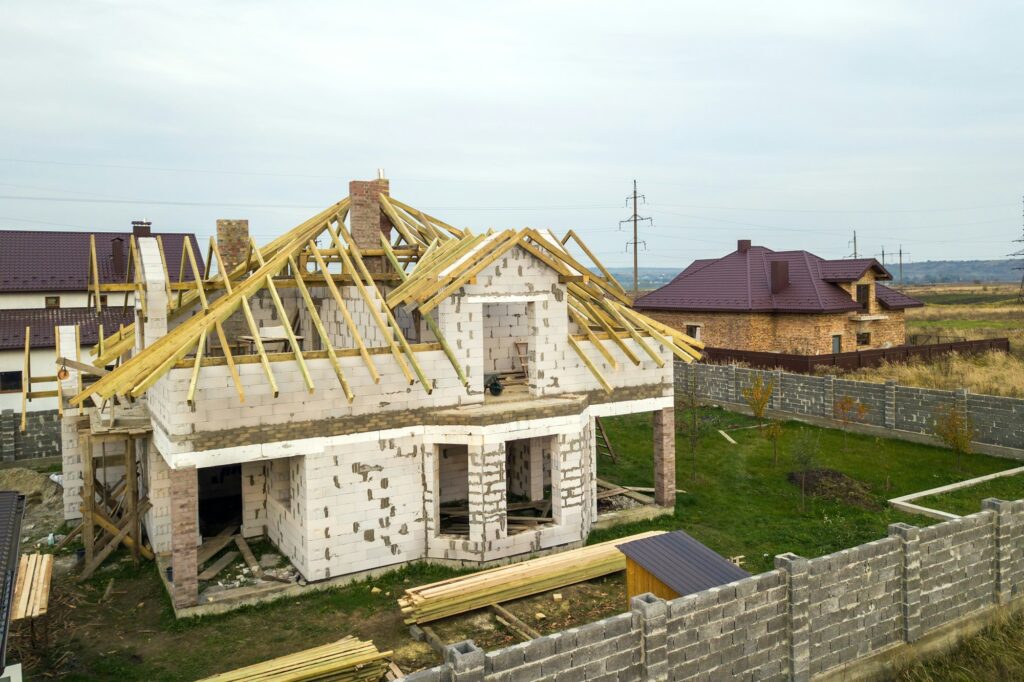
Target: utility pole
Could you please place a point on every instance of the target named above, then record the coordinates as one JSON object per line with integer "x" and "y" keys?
{"x": 636, "y": 220}
{"x": 1019, "y": 254}
{"x": 883, "y": 256}
{"x": 854, "y": 242}
{"x": 901, "y": 264}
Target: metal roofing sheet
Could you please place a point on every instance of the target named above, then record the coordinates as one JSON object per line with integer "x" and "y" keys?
{"x": 682, "y": 563}
{"x": 12, "y": 509}
{"x": 43, "y": 320}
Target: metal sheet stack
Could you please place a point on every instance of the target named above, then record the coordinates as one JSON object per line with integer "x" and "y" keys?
{"x": 431, "y": 602}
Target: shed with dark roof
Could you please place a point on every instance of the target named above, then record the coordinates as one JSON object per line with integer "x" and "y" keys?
{"x": 673, "y": 565}
{"x": 12, "y": 510}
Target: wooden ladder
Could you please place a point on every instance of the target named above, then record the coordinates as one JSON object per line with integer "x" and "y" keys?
{"x": 604, "y": 446}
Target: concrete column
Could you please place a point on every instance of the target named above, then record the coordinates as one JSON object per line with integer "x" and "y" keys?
{"x": 799, "y": 628}
{"x": 910, "y": 580}
{"x": 1006, "y": 532}
{"x": 652, "y": 614}
{"x": 184, "y": 493}
{"x": 890, "y": 405}
{"x": 665, "y": 457}
{"x": 465, "y": 660}
{"x": 153, "y": 324}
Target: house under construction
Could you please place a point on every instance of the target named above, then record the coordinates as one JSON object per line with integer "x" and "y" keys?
{"x": 371, "y": 388}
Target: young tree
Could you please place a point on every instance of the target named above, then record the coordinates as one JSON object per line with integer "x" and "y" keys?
{"x": 849, "y": 411}
{"x": 953, "y": 424}
{"x": 691, "y": 403}
{"x": 759, "y": 396}
{"x": 804, "y": 451}
{"x": 772, "y": 431}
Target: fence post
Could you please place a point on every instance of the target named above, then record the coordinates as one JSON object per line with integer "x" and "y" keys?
{"x": 890, "y": 405}
{"x": 466, "y": 661}
{"x": 652, "y": 614}
{"x": 1004, "y": 521}
{"x": 777, "y": 392}
{"x": 732, "y": 392}
{"x": 799, "y": 627}
{"x": 960, "y": 399}
{"x": 910, "y": 579}
{"x": 828, "y": 397}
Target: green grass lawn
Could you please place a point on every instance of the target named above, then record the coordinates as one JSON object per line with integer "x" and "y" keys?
{"x": 996, "y": 653}
{"x": 967, "y": 325}
{"x": 740, "y": 503}
{"x": 968, "y": 500}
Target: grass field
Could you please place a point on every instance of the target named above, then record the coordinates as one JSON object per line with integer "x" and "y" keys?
{"x": 994, "y": 654}
{"x": 970, "y": 311}
{"x": 739, "y": 503}
{"x": 968, "y": 500}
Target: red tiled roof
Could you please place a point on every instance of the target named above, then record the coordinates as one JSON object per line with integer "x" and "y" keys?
{"x": 741, "y": 281}
{"x": 59, "y": 261}
{"x": 43, "y": 320}
{"x": 895, "y": 300}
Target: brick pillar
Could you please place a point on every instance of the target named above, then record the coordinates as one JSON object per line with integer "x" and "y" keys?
{"x": 799, "y": 627}
{"x": 153, "y": 324}
{"x": 731, "y": 392}
{"x": 184, "y": 494}
{"x": 665, "y": 457}
{"x": 465, "y": 660}
{"x": 366, "y": 218}
{"x": 1008, "y": 533}
{"x": 890, "y": 405}
{"x": 537, "y": 446}
{"x": 232, "y": 241}
{"x": 776, "y": 379}
{"x": 910, "y": 579}
{"x": 487, "y": 494}
{"x": 828, "y": 397}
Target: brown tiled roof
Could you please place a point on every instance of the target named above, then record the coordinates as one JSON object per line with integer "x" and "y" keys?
{"x": 59, "y": 261}
{"x": 43, "y": 320}
{"x": 895, "y": 300}
{"x": 741, "y": 281}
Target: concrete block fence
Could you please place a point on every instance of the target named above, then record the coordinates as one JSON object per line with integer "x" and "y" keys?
{"x": 808, "y": 618}
{"x": 997, "y": 421}
{"x": 41, "y": 437}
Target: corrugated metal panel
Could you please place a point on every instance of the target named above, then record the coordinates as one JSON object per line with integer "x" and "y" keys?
{"x": 682, "y": 563}
{"x": 12, "y": 509}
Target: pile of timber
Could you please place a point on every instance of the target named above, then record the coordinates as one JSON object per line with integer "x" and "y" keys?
{"x": 349, "y": 660}
{"x": 478, "y": 590}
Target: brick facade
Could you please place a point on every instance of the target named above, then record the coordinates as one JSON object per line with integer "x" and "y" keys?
{"x": 184, "y": 493}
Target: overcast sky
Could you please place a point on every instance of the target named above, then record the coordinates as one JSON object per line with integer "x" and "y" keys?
{"x": 789, "y": 123}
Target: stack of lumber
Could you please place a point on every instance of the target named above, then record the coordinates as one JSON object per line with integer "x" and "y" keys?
{"x": 349, "y": 659}
{"x": 32, "y": 589}
{"x": 431, "y": 602}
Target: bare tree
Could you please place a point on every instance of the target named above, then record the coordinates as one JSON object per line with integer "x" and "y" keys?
{"x": 849, "y": 411}
{"x": 804, "y": 450}
{"x": 954, "y": 425}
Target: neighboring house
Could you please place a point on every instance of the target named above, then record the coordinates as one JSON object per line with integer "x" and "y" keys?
{"x": 757, "y": 299}
{"x": 333, "y": 393}
{"x": 45, "y": 283}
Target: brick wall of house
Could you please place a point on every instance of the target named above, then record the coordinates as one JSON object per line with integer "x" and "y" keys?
{"x": 808, "y": 334}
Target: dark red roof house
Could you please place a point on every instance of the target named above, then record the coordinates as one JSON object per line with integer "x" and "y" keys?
{"x": 783, "y": 301}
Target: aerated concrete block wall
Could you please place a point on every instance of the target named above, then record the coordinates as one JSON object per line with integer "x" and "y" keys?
{"x": 804, "y": 619}
{"x": 997, "y": 421}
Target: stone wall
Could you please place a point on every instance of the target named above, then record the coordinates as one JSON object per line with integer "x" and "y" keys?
{"x": 997, "y": 421}
{"x": 40, "y": 439}
{"x": 803, "y": 619}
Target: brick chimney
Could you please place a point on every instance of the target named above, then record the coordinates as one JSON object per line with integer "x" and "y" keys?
{"x": 232, "y": 241}
{"x": 780, "y": 275}
{"x": 366, "y": 219}
{"x": 743, "y": 245}
{"x": 141, "y": 228}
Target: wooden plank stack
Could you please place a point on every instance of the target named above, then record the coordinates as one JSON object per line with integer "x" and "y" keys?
{"x": 32, "y": 590}
{"x": 431, "y": 602}
{"x": 348, "y": 660}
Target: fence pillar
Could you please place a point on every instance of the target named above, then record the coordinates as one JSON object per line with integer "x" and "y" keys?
{"x": 799, "y": 629}
{"x": 828, "y": 397}
{"x": 960, "y": 399}
{"x": 731, "y": 392}
{"x": 465, "y": 660}
{"x": 1004, "y": 527}
{"x": 890, "y": 405}
{"x": 652, "y": 613}
{"x": 777, "y": 391}
{"x": 910, "y": 579}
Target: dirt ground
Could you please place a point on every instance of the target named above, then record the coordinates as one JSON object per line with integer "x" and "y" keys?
{"x": 44, "y": 505}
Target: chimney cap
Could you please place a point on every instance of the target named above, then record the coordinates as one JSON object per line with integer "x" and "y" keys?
{"x": 743, "y": 245}
{"x": 141, "y": 228}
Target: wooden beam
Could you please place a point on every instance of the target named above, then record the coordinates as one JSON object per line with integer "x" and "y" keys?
{"x": 324, "y": 336}
{"x": 94, "y": 271}
{"x": 26, "y": 381}
{"x": 191, "y": 395}
{"x": 584, "y": 324}
{"x": 590, "y": 365}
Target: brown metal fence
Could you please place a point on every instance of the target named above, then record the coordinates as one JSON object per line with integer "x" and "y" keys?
{"x": 806, "y": 364}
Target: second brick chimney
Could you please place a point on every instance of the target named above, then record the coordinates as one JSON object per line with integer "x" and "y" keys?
{"x": 366, "y": 219}
{"x": 232, "y": 241}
